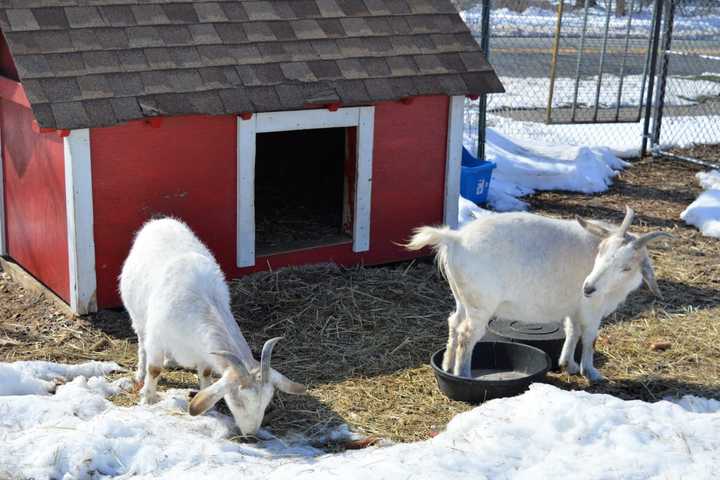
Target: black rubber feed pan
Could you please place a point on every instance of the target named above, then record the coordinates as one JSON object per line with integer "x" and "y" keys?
{"x": 548, "y": 337}
{"x": 500, "y": 369}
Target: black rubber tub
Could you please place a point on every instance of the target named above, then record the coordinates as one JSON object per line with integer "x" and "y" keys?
{"x": 500, "y": 369}
{"x": 548, "y": 337}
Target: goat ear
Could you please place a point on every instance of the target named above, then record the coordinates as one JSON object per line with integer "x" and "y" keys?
{"x": 592, "y": 227}
{"x": 284, "y": 384}
{"x": 648, "y": 274}
{"x": 205, "y": 399}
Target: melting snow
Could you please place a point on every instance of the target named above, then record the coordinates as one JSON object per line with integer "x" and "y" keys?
{"x": 525, "y": 167}
{"x": 704, "y": 213}
{"x": 544, "y": 433}
{"x": 41, "y": 378}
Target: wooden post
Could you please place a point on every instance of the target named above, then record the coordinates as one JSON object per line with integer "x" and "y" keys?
{"x": 79, "y": 206}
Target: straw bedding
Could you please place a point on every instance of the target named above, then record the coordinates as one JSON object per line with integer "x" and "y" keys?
{"x": 361, "y": 337}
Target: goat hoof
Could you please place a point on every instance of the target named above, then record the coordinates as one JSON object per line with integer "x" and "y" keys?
{"x": 149, "y": 399}
{"x": 593, "y": 376}
{"x": 571, "y": 368}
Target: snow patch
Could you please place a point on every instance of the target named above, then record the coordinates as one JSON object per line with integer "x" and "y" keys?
{"x": 469, "y": 211}
{"x": 41, "y": 378}
{"x": 681, "y": 91}
{"x": 544, "y": 433}
{"x": 524, "y": 168}
{"x": 691, "y": 403}
{"x": 704, "y": 213}
{"x": 621, "y": 139}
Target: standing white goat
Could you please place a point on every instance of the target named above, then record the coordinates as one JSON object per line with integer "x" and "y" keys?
{"x": 530, "y": 268}
{"x": 179, "y": 305}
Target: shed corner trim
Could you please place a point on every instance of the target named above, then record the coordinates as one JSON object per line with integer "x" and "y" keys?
{"x": 453, "y": 161}
{"x": 79, "y": 206}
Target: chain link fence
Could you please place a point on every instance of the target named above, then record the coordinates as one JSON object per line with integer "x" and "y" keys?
{"x": 577, "y": 72}
{"x": 687, "y": 110}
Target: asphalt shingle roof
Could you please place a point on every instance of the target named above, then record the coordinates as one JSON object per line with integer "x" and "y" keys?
{"x": 89, "y": 63}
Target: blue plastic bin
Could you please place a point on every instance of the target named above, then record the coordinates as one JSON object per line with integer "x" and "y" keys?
{"x": 475, "y": 178}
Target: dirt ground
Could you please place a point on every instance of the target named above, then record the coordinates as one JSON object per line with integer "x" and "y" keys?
{"x": 361, "y": 338}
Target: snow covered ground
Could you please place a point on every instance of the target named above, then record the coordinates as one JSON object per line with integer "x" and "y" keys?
{"x": 622, "y": 139}
{"x": 525, "y": 167}
{"x": 537, "y": 22}
{"x": 531, "y": 93}
{"x": 550, "y": 157}
{"x": 544, "y": 433}
{"x": 704, "y": 213}
{"x": 41, "y": 378}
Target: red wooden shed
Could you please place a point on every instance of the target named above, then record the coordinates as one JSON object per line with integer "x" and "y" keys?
{"x": 283, "y": 132}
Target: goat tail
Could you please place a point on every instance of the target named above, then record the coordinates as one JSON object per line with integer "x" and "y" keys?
{"x": 434, "y": 237}
{"x": 437, "y": 238}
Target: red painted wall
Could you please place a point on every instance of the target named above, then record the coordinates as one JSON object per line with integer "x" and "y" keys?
{"x": 36, "y": 221}
{"x": 187, "y": 168}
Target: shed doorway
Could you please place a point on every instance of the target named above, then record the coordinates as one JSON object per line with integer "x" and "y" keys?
{"x": 356, "y": 125}
{"x": 302, "y": 183}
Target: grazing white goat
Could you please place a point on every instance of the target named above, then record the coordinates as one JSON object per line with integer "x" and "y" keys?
{"x": 179, "y": 305}
{"x": 529, "y": 268}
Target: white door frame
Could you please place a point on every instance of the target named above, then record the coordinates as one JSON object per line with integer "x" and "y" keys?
{"x": 456, "y": 119}
{"x": 361, "y": 117}
{"x": 81, "y": 239}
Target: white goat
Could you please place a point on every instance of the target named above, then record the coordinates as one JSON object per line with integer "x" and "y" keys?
{"x": 530, "y": 268}
{"x": 179, "y": 305}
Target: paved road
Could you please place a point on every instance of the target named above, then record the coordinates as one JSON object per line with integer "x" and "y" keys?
{"x": 531, "y": 57}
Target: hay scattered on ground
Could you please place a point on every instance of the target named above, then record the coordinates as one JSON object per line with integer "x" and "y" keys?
{"x": 361, "y": 337}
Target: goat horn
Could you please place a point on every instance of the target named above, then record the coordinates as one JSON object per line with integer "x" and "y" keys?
{"x": 234, "y": 361}
{"x": 643, "y": 240}
{"x": 266, "y": 357}
{"x": 629, "y": 216}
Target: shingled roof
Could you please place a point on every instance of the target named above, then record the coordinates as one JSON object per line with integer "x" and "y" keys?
{"x": 89, "y": 63}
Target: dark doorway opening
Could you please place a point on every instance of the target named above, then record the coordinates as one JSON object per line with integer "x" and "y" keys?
{"x": 301, "y": 190}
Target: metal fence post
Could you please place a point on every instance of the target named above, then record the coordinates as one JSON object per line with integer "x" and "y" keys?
{"x": 663, "y": 73}
{"x": 553, "y": 64}
{"x": 482, "y": 103}
{"x": 656, "y": 25}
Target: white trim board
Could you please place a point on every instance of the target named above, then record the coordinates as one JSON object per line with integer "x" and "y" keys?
{"x": 306, "y": 120}
{"x": 79, "y": 205}
{"x": 454, "y": 160}
{"x": 363, "y": 179}
{"x": 3, "y": 232}
{"x": 361, "y": 117}
{"x": 246, "y": 141}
